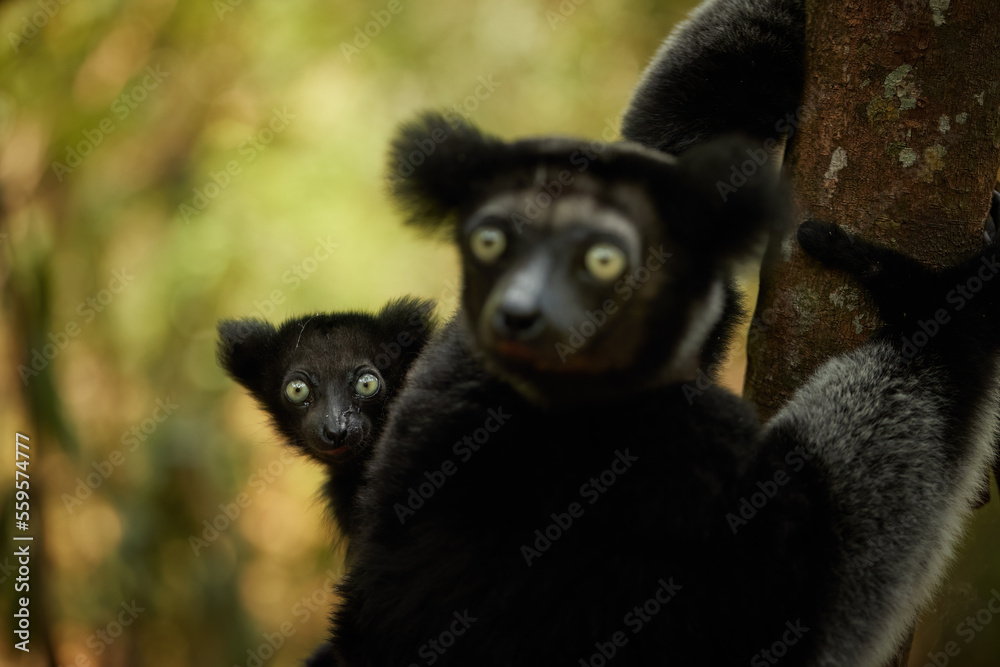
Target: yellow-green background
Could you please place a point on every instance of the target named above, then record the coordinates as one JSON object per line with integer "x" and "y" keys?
{"x": 564, "y": 68}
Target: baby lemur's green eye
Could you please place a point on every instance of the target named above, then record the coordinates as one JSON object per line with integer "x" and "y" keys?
{"x": 297, "y": 391}
{"x": 367, "y": 385}
{"x": 488, "y": 243}
{"x": 605, "y": 261}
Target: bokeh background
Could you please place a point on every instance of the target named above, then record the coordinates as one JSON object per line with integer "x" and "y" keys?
{"x": 166, "y": 164}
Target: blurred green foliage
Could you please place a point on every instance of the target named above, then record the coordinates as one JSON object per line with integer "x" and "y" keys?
{"x": 164, "y": 165}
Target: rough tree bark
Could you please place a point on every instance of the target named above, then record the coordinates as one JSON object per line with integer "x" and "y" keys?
{"x": 899, "y": 141}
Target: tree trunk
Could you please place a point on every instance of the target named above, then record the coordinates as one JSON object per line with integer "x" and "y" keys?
{"x": 899, "y": 141}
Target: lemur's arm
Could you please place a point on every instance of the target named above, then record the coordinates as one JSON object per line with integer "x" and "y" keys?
{"x": 734, "y": 66}
{"x": 901, "y": 430}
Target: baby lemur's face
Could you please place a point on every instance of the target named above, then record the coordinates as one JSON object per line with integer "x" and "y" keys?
{"x": 326, "y": 380}
{"x": 332, "y": 394}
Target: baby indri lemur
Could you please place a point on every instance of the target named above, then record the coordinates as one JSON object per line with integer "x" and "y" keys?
{"x": 327, "y": 381}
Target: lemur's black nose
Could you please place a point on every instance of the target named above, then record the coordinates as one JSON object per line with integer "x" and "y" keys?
{"x": 332, "y": 432}
{"x": 517, "y": 323}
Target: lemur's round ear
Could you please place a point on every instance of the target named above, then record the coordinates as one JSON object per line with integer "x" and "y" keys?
{"x": 246, "y": 349}
{"x": 408, "y": 314}
{"x": 433, "y": 162}
{"x": 729, "y": 193}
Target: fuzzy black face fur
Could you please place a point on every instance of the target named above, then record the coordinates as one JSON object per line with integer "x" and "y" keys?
{"x": 575, "y": 283}
{"x": 326, "y": 379}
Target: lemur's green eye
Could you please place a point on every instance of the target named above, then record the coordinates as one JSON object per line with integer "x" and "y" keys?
{"x": 488, "y": 243}
{"x": 367, "y": 385}
{"x": 605, "y": 261}
{"x": 297, "y": 391}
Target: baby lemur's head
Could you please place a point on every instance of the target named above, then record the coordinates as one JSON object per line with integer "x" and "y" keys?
{"x": 326, "y": 379}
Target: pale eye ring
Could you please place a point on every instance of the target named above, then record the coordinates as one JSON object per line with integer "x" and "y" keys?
{"x": 605, "y": 261}
{"x": 488, "y": 243}
{"x": 297, "y": 391}
{"x": 367, "y": 385}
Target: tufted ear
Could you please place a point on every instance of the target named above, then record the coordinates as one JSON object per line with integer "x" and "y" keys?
{"x": 435, "y": 165}
{"x": 726, "y": 194}
{"x": 246, "y": 350}
{"x": 409, "y": 322}
{"x": 407, "y": 313}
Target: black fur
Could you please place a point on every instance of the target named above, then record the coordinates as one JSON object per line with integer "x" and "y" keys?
{"x": 496, "y": 463}
{"x": 663, "y": 518}
{"x": 672, "y": 192}
{"x": 719, "y": 342}
{"x": 460, "y": 550}
{"x": 933, "y": 441}
{"x": 733, "y": 66}
{"x": 473, "y": 552}
{"x": 335, "y": 425}
{"x": 467, "y": 165}
{"x": 490, "y": 442}
{"x": 913, "y": 299}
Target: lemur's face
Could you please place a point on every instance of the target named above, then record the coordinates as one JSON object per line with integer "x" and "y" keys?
{"x": 331, "y": 395}
{"x": 326, "y": 380}
{"x": 590, "y": 269}
{"x": 563, "y": 292}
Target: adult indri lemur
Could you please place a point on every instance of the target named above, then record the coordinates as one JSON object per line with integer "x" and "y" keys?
{"x": 327, "y": 381}
{"x": 544, "y": 492}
